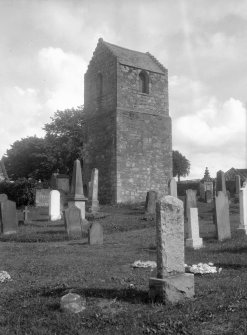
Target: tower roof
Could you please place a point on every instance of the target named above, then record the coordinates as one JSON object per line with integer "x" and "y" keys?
{"x": 137, "y": 59}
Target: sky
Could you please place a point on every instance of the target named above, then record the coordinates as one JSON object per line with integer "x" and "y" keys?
{"x": 46, "y": 46}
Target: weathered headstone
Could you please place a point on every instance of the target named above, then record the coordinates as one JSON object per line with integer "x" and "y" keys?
{"x": 73, "y": 224}
{"x": 25, "y": 214}
{"x": 95, "y": 234}
{"x": 238, "y": 185}
{"x": 8, "y": 217}
{"x": 190, "y": 202}
{"x": 93, "y": 201}
{"x": 172, "y": 283}
{"x": 243, "y": 209}
{"x": 173, "y": 188}
{"x": 54, "y": 205}
{"x": 194, "y": 241}
{"x": 3, "y": 197}
{"x": 42, "y": 197}
{"x": 76, "y": 196}
{"x": 220, "y": 182}
{"x": 150, "y": 205}
{"x": 222, "y": 216}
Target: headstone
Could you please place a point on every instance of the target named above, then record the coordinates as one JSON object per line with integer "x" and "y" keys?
{"x": 8, "y": 217}
{"x": 193, "y": 241}
{"x": 172, "y": 283}
{"x": 93, "y": 202}
{"x": 96, "y": 234}
{"x": 42, "y": 197}
{"x": 76, "y": 196}
{"x": 190, "y": 201}
{"x": 208, "y": 197}
{"x": 222, "y": 216}
{"x": 90, "y": 190}
{"x": 150, "y": 205}
{"x": 72, "y": 216}
{"x": 54, "y": 206}
{"x": 62, "y": 182}
{"x": 238, "y": 185}
{"x": 243, "y": 209}
{"x": 173, "y": 188}
{"x": 220, "y": 182}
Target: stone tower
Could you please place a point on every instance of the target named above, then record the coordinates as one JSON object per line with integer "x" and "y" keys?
{"x": 128, "y": 128}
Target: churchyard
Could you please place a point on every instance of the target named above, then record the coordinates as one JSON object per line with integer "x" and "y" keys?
{"x": 44, "y": 265}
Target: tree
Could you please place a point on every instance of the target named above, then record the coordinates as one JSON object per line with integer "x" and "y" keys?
{"x": 64, "y": 139}
{"x": 27, "y": 158}
{"x": 181, "y": 165}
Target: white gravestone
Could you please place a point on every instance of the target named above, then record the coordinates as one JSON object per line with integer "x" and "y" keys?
{"x": 222, "y": 216}
{"x": 243, "y": 208}
{"x": 54, "y": 205}
{"x": 193, "y": 241}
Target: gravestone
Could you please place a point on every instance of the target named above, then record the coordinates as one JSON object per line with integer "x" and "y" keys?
{"x": 8, "y": 217}
{"x": 95, "y": 234}
{"x": 173, "y": 188}
{"x": 150, "y": 205}
{"x": 62, "y": 181}
{"x": 238, "y": 185}
{"x": 42, "y": 197}
{"x": 76, "y": 196}
{"x": 243, "y": 209}
{"x": 222, "y": 216}
{"x": 190, "y": 202}
{"x": 93, "y": 200}
{"x": 193, "y": 241}
{"x": 73, "y": 224}
{"x": 172, "y": 283}
{"x": 208, "y": 196}
{"x": 54, "y": 205}
{"x": 25, "y": 213}
{"x": 3, "y": 197}
{"x": 220, "y": 182}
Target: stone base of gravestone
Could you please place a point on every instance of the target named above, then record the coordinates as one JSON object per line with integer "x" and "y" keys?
{"x": 241, "y": 230}
{"x": 95, "y": 234}
{"x": 174, "y": 288}
{"x": 194, "y": 243}
{"x": 93, "y": 206}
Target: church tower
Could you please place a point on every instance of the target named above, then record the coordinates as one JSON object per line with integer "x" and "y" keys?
{"x": 128, "y": 128}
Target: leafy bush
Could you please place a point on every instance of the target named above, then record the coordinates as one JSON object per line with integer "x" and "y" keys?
{"x": 22, "y": 191}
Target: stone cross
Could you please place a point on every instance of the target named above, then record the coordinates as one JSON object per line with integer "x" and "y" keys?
{"x": 172, "y": 283}
{"x": 173, "y": 188}
{"x": 220, "y": 182}
{"x": 222, "y": 216}
{"x": 25, "y": 212}
{"x": 193, "y": 241}
{"x": 94, "y": 203}
{"x": 54, "y": 205}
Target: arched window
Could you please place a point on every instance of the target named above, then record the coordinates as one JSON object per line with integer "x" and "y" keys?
{"x": 99, "y": 87}
{"x": 143, "y": 82}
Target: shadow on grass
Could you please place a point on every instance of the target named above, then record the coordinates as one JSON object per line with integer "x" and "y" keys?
{"x": 232, "y": 250}
{"x": 132, "y": 296}
{"x": 52, "y": 237}
{"x": 230, "y": 266}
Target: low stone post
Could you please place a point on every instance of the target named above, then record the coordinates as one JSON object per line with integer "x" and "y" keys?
{"x": 150, "y": 205}
{"x": 172, "y": 283}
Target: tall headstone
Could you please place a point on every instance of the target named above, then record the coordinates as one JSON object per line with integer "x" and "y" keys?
{"x": 193, "y": 241}
{"x": 73, "y": 222}
{"x": 150, "y": 205}
{"x": 222, "y": 216}
{"x": 173, "y": 188}
{"x": 93, "y": 201}
{"x": 190, "y": 202}
{"x": 220, "y": 182}
{"x": 172, "y": 283}
{"x": 76, "y": 196}
{"x": 8, "y": 217}
{"x": 54, "y": 205}
{"x": 238, "y": 185}
{"x": 243, "y": 209}
{"x": 95, "y": 235}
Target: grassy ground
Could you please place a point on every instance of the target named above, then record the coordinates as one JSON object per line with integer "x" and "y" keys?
{"x": 44, "y": 266}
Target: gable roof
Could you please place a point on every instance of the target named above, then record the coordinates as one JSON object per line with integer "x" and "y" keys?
{"x": 231, "y": 174}
{"x": 137, "y": 59}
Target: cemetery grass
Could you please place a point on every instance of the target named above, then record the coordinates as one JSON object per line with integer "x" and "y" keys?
{"x": 44, "y": 266}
